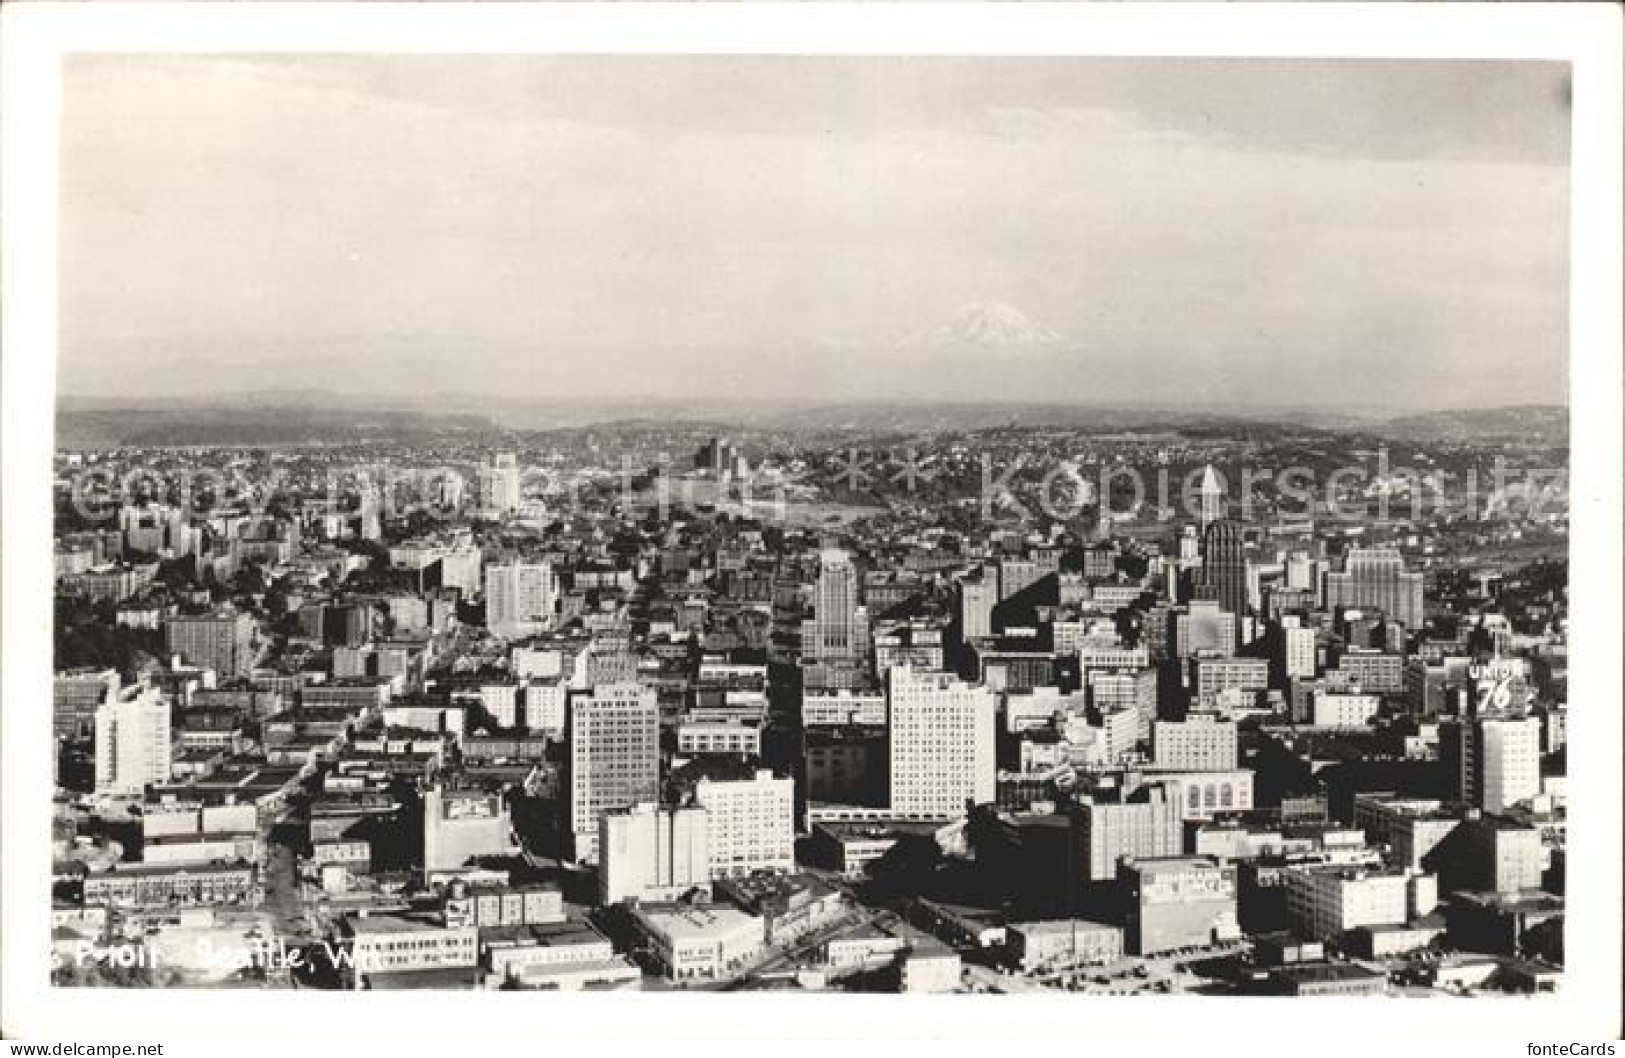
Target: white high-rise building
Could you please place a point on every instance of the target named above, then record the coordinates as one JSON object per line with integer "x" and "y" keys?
{"x": 1211, "y": 494}
{"x": 614, "y": 735}
{"x": 1200, "y": 742}
{"x": 1509, "y": 756}
{"x": 977, "y": 597}
{"x": 751, "y": 822}
{"x": 1494, "y": 759}
{"x": 546, "y": 705}
{"x": 1375, "y": 578}
{"x": 519, "y": 598}
{"x": 648, "y": 852}
{"x": 940, "y": 742}
{"x": 132, "y": 742}
{"x": 499, "y": 483}
{"x": 1298, "y": 647}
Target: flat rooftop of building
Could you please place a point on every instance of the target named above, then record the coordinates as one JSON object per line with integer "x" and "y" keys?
{"x": 1522, "y": 900}
{"x": 1505, "y": 823}
{"x": 1352, "y": 872}
{"x": 765, "y": 885}
{"x": 616, "y": 964}
{"x": 969, "y": 912}
{"x": 678, "y": 921}
{"x": 498, "y": 889}
{"x": 158, "y": 870}
{"x": 1061, "y": 927}
{"x": 1325, "y": 973}
{"x": 379, "y": 924}
{"x": 865, "y": 830}
{"x": 344, "y": 803}
{"x": 1169, "y": 864}
{"x": 198, "y": 837}
{"x": 545, "y": 935}
{"x": 1430, "y": 923}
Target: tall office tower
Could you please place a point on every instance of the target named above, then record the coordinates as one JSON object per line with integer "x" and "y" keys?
{"x": 647, "y": 852}
{"x": 132, "y": 742}
{"x": 1204, "y": 626}
{"x": 222, "y": 641}
{"x": 519, "y": 598}
{"x": 499, "y": 483}
{"x": 1147, "y": 824}
{"x": 839, "y": 629}
{"x": 1494, "y": 761}
{"x": 939, "y": 743}
{"x": 1212, "y": 497}
{"x": 1224, "y": 565}
{"x": 752, "y": 823}
{"x": 1016, "y": 574}
{"x": 154, "y": 527}
{"x": 1297, "y": 649}
{"x": 371, "y": 520}
{"x": 720, "y": 457}
{"x": 448, "y": 491}
{"x": 76, "y": 695}
{"x": 1375, "y": 579}
{"x": 614, "y": 737}
{"x": 978, "y": 595}
{"x": 460, "y": 825}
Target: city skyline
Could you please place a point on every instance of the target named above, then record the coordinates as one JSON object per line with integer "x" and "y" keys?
{"x": 818, "y": 228}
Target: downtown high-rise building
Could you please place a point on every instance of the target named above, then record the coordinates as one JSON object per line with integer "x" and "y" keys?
{"x": 1297, "y": 649}
{"x": 839, "y": 629}
{"x": 222, "y": 641}
{"x": 1018, "y": 574}
{"x": 519, "y": 598}
{"x": 614, "y": 762}
{"x": 1147, "y": 824}
{"x": 132, "y": 742}
{"x": 461, "y": 825}
{"x": 1205, "y": 626}
{"x": 499, "y": 483}
{"x": 1200, "y": 742}
{"x": 751, "y": 822}
{"x": 1376, "y": 579}
{"x": 940, "y": 743}
{"x": 648, "y": 851}
{"x": 1210, "y": 494}
{"x": 1492, "y": 761}
{"x": 155, "y": 528}
{"x": 978, "y": 595}
{"x": 1224, "y": 566}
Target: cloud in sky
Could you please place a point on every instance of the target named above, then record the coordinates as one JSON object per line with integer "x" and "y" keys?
{"x": 1241, "y": 231}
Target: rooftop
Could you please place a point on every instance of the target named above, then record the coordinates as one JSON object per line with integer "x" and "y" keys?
{"x": 546, "y": 935}
{"x": 682, "y": 922}
{"x": 380, "y": 924}
{"x": 1317, "y": 973}
{"x": 1056, "y": 927}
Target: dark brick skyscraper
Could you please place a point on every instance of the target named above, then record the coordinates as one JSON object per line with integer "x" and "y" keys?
{"x": 1224, "y": 566}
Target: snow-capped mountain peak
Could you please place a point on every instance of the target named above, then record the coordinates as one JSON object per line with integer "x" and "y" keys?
{"x": 987, "y": 324}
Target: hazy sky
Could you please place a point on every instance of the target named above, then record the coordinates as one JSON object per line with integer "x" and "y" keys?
{"x": 1221, "y": 232}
